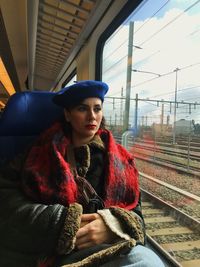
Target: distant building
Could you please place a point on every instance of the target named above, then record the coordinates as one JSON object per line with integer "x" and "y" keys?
{"x": 183, "y": 127}
{"x": 162, "y": 129}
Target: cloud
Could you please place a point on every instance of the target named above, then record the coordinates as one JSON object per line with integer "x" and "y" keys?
{"x": 168, "y": 42}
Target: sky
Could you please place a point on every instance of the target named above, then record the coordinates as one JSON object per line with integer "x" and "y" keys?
{"x": 166, "y": 38}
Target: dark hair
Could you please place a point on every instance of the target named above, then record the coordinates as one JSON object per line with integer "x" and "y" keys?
{"x": 103, "y": 123}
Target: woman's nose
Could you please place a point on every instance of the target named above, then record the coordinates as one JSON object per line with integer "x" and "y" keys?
{"x": 91, "y": 114}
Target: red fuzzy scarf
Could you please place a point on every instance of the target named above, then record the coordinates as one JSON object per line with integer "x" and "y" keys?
{"x": 47, "y": 177}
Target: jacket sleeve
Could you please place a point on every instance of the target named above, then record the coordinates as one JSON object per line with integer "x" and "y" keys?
{"x": 126, "y": 224}
{"x": 27, "y": 227}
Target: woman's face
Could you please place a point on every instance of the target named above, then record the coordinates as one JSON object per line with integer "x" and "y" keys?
{"x": 85, "y": 118}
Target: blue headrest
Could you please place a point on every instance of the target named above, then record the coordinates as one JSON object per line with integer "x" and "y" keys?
{"x": 29, "y": 113}
{"x": 25, "y": 116}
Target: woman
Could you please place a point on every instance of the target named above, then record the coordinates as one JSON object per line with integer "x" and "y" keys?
{"x": 73, "y": 199}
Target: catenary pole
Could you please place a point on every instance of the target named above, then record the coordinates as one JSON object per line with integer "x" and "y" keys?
{"x": 128, "y": 79}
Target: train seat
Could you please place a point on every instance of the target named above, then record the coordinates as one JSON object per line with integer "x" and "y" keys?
{"x": 25, "y": 116}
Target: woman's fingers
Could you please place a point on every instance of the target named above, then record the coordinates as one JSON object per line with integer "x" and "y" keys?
{"x": 84, "y": 245}
{"x": 82, "y": 231}
{"x": 89, "y": 217}
{"x": 93, "y": 233}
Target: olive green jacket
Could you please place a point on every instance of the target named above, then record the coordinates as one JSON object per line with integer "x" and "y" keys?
{"x": 32, "y": 232}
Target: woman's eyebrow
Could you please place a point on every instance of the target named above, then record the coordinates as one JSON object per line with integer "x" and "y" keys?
{"x": 86, "y": 105}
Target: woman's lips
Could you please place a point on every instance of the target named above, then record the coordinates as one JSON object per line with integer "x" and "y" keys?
{"x": 90, "y": 126}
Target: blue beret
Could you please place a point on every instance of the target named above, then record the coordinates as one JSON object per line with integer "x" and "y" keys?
{"x": 79, "y": 91}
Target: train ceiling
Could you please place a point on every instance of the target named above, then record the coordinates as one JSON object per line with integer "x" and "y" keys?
{"x": 45, "y": 36}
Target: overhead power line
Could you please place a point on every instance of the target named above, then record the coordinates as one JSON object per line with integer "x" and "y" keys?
{"x": 166, "y": 25}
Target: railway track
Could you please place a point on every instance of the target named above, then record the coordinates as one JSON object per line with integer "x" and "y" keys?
{"x": 173, "y": 234}
{"x": 186, "y": 160}
{"x": 169, "y": 151}
{"x": 195, "y": 142}
{"x": 161, "y": 142}
{"x": 169, "y": 163}
{"x": 187, "y": 202}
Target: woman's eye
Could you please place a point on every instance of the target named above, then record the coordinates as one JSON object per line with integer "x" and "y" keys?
{"x": 81, "y": 108}
{"x": 97, "y": 109}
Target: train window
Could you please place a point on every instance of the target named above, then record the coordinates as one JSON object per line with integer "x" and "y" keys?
{"x": 152, "y": 65}
{"x": 163, "y": 65}
{"x": 70, "y": 80}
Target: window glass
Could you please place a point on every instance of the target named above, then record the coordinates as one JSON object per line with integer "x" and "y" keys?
{"x": 162, "y": 71}
{"x": 71, "y": 81}
{"x": 152, "y": 65}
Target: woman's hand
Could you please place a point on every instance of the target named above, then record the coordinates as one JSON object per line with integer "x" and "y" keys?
{"x": 93, "y": 231}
